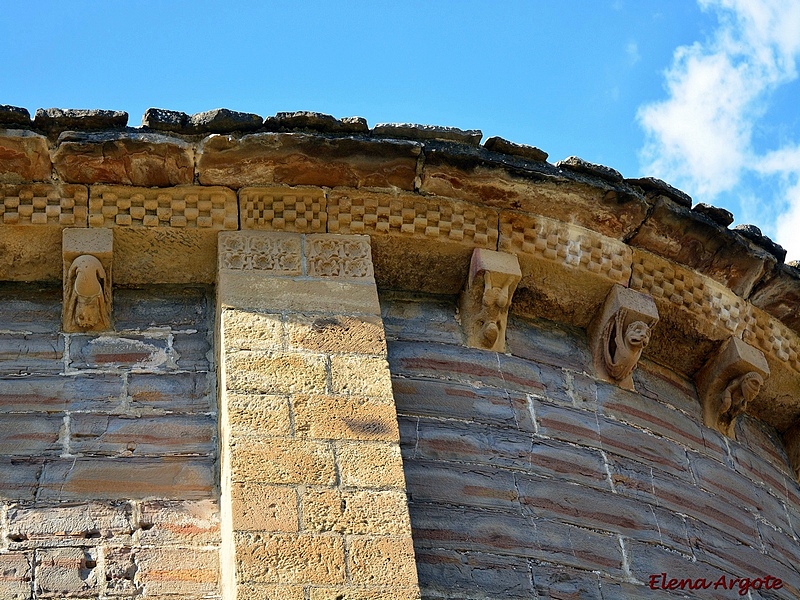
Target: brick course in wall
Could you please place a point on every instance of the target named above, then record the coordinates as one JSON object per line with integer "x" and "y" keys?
{"x": 108, "y": 448}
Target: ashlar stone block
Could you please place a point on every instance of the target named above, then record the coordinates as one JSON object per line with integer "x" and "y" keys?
{"x": 728, "y": 381}
{"x": 619, "y": 333}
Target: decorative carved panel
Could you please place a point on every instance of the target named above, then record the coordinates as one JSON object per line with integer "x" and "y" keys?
{"x": 283, "y": 209}
{"x": 87, "y": 256}
{"x": 43, "y": 204}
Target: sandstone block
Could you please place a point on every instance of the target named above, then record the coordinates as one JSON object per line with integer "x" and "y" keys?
{"x": 314, "y": 121}
{"x": 14, "y": 115}
{"x": 498, "y": 144}
{"x": 142, "y": 159}
{"x": 89, "y": 520}
{"x": 94, "y": 435}
{"x": 779, "y": 294}
{"x": 24, "y": 156}
{"x": 344, "y": 417}
{"x": 370, "y": 464}
{"x": 223, "y": 120}
{"x": 335, "y": 333}
{"x": 360, "y": 375}
{"x": 333, "y": 296}
{"x": 164, "y": 255}
{"x": 579, "y": 265}
{"x": 613, "y": 210}
{"x": 257, "y": 415}
{"x": 305, "y": 159}
{"x": 112, "y": 351}
{"x": 179, "y": 523}
{"x": 30, "y": 434}
{"x": 284, "y": 208}
{"x": 386, "y": 561}
{"x": 289, "y": 558}
{"x": 19, "y": 479}
{"x": 251, "y": 330}
{"x": 173, "y": 392}
{"x": 270, "y": 591}
{"x": 43, "y": 204}
{"x": 120, "y": 571}
{"x": 356, "y": 512}
{"x": 15, "y": 581}
{"x": 259, "y": 507}
{"x": 54, "y": 393}
{"x": 677, "y": 233}
{"x": 274, "y": 372}
{"x": 59, "y": 119}
{"x": 415, "y": 131}
{"x": 163, "y": 571}
{"x": 86, "y": 479}
{"x": 363, "y": 593}
{"x": 161, "y": 119}
{"x": 70, "y": 572}
{"x": 282, "y": 461}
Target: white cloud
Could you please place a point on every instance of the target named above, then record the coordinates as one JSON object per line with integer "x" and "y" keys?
{"x": 700, "y": 136}
{"x": 632, "y": 50}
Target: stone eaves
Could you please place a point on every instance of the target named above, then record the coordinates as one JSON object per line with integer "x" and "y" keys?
{"x": 426, "y": 195}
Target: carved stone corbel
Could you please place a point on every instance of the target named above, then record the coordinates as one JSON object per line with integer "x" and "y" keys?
{"x": 87, "y": 255}
{"x": 728, "y": 381}
{"x": 483, "y": 306}
{"x": 618, "y": 334}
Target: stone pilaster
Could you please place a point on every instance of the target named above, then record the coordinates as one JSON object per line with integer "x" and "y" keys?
{"x": 313, "y": 492}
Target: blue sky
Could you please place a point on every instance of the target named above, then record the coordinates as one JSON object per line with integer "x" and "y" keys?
{"x": 701, "y": 93}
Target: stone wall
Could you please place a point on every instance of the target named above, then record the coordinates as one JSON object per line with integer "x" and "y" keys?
{"x": 529, "y": 479}
{"x": 108, "y": 469}
{"x": 532, "y": 467}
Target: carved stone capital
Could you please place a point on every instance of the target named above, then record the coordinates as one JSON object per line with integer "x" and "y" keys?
{"x": 87, "y": 255}
{"x": 728, "y": 381}
{"x": 619, "y": 333}
{"x": 483, "y": 306}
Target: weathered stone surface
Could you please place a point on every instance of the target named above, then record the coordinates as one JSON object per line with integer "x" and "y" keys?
{"x": 484, "y": 302}
{"x": 578, "y": 164}
{"x": 692, "y": 307}
{"x": 17, "y": 572}
{"x": 335, "y": 334}
{"x": 498, "y": 144}
{"x": 164, "y": 571}
{"x": 654, "y": 187}
{"x": 579, "y": 265}
{"x": 290, "y": 558}
{"x": 375, "y": 560}
{"x": 414, "y": 131}
{"x": 262, "y": 507}
{"x": 284, "y": 208}
{"x": 60, "y": 119}
{"x": 87, "y": 278}
{"x": 779, "y": 295}
{"x": 160, "y": 119}
{"x": 179, "y": 523}
{"x": 720, "y": 216}
{"x": 418, "y": 243}
{"x": 43, "y": 204}
{"x": 305, "y": 159}
{"x": 282, "y": 461}
{"x": 102, "y": 478}
{"x": 258, "y": 415}
{"x": 314, "y": 121}
{"x": 67, "y": 572}
{"x": 14, "y": 115}
{"x": 356, "y": 512}
{"x": 93, "y": 519}
{"x": 24, "y": 156}
{"x": 344, "y": 417}
{"x": 223, "y": 120}
{"x": 99, "y": 435}
{"x": 611, "y": 209}
{"x": 143, "y": 159}
{"x": 370, "y": 464}
{"x": 677, "y": 233}
{"x": 753, "y": 233}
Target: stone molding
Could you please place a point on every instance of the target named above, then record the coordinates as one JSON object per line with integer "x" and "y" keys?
{"x": 43, "y": 204}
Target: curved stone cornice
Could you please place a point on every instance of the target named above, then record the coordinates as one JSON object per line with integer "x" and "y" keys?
{"x": 427, "y": 197}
